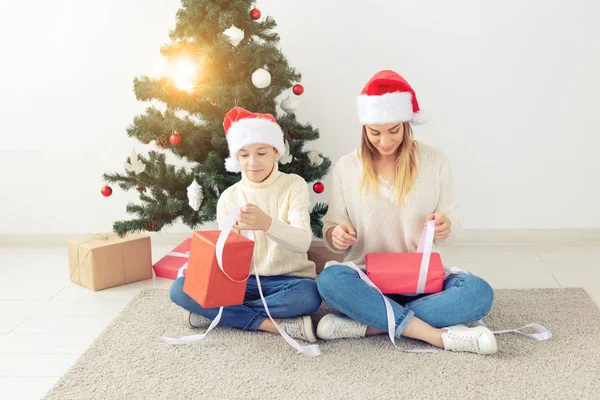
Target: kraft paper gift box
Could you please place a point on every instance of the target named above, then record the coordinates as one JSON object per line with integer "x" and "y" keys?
{"x": 101, "y": 261}
{"x": 204, "y": 280}
{"x": 172, "y": 262}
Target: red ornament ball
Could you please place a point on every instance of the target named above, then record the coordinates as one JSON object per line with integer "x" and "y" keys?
{"x": 106, "y": 191}
{"x": 255, "y": 14}
{"x": 298, "y": 89}
{"x": 175, "y": 139}
{"x": 319, "y": 187}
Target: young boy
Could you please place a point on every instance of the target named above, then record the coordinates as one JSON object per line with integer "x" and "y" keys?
{"x": 276, "y": 209}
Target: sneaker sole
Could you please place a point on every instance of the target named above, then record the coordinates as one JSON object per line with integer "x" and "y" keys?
{"x": 187, "y": 318}
{"x": 309, "y": 331}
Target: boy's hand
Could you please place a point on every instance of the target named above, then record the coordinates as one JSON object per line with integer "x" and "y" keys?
{"x": 252, "y": 218}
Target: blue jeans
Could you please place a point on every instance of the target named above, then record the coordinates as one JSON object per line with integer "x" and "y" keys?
{"x": 465, "y": 298}
{"x": 286, "y": 296}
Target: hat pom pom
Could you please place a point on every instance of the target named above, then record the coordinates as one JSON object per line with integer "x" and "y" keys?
{"x": 232, "y": 165}
{"x": 420, "y": 118}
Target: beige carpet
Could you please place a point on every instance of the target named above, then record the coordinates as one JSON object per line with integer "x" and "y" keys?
{"x": 130, "y": 361}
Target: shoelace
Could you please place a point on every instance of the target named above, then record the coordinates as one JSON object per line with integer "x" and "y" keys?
{"x": 197, "y": 320}
{"x": 347, "y": 328}
{"x": 462, "y": 342}
{"x": 294, "y": 329}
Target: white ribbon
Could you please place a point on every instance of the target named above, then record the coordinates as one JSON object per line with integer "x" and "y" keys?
{"x": 391, "y": 320}
{"x": 223, "y": 239}
{"x": 312, "y": 350}
{"x": 425, "y": 247}
{"x": 220, "y": 246}
{"x": 193, "y": 338}
{"x": 542, "y": 332}
{"x": 182, "y": 255}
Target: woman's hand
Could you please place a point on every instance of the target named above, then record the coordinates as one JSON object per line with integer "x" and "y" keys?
{"x": 252, "y": 218}
{"x": 342, "y": 237}
{"x": 443, "y": 225}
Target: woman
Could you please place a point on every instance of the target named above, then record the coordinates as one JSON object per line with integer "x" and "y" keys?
{"x": 382, "y": 196}
{"x": 276, "y": 208}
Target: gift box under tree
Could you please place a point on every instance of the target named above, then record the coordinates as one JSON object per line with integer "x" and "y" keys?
{"x": 169, "y": 266}
{"x": 101, "y": 261}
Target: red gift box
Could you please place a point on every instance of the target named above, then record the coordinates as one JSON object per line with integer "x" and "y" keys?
{"x": 219, "y": 266}
{"x": 408, "y": 273}
{"x": 172, "y": 262}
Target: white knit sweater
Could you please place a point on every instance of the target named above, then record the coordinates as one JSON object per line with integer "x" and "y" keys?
{"x": 381, "y": 226}
{"x": 282, "y": 250}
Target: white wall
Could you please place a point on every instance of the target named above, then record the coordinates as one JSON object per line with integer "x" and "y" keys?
{"x": 512, "y": 87}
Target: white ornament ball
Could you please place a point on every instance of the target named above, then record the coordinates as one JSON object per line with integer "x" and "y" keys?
{"x": 261, "y": 78}
{"x": 290, "y": 104}
{"x": 234, "y": 34}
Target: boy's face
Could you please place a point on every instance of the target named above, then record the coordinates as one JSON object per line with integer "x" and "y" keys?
{"x": 257, "y": 161}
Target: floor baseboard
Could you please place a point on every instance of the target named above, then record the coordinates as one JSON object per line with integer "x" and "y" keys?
{"x": 484, "y": 237}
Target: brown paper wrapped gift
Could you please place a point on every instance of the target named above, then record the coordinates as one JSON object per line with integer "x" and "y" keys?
{"x": 101, "y": 261}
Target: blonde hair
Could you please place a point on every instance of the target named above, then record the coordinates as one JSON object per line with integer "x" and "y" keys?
{"x": 406, "y": 165}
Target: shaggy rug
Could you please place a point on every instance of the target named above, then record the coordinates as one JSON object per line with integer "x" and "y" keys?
{"x": 130, "y": 361}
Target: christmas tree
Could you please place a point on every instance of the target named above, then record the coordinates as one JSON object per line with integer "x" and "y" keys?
{"x": 221, "y": 54}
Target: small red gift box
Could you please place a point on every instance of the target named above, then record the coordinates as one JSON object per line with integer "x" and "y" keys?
{"x": 218, "y": 268}
{"x": 171, "y": 263}
{"x": 408, "y": 273}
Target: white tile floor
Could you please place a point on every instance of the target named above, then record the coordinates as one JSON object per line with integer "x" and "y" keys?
{"x": 46, "y": 322}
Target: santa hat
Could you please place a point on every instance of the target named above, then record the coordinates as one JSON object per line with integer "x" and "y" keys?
{"x": 243, "y": 127}
{"x": 388, "y": 98}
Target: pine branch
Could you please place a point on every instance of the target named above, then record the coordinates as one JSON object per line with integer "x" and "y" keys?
{"x": 263, "y": 29}
{"x": 134, "y": 225}
{"x": 316, "y": 219}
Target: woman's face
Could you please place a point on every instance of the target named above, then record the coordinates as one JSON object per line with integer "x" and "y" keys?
{"x": 257, "y": 161}
{"x": 386, "y": 138}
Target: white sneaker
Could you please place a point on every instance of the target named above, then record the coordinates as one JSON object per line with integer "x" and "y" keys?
{"x": 333, "y": 326}
{"x": 195, "y": 320}
{"x": 299, "y": 328}
{"x": 477, "y": 340}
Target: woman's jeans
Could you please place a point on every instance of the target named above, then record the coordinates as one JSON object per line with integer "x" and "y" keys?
{"x": 465, "y": 298}
{"x": 286, "y": 297}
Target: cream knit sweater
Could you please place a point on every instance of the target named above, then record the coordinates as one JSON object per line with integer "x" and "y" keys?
{"x": 282, "y": 249}
{"x": 380, "y": 225}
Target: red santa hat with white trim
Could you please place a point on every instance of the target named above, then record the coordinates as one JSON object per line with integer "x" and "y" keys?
{"x": 243, "y": 128}
{"x": 388, "y": 98}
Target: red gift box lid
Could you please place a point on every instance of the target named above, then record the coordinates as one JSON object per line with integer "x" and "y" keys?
{"x": 394, "y": 263}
